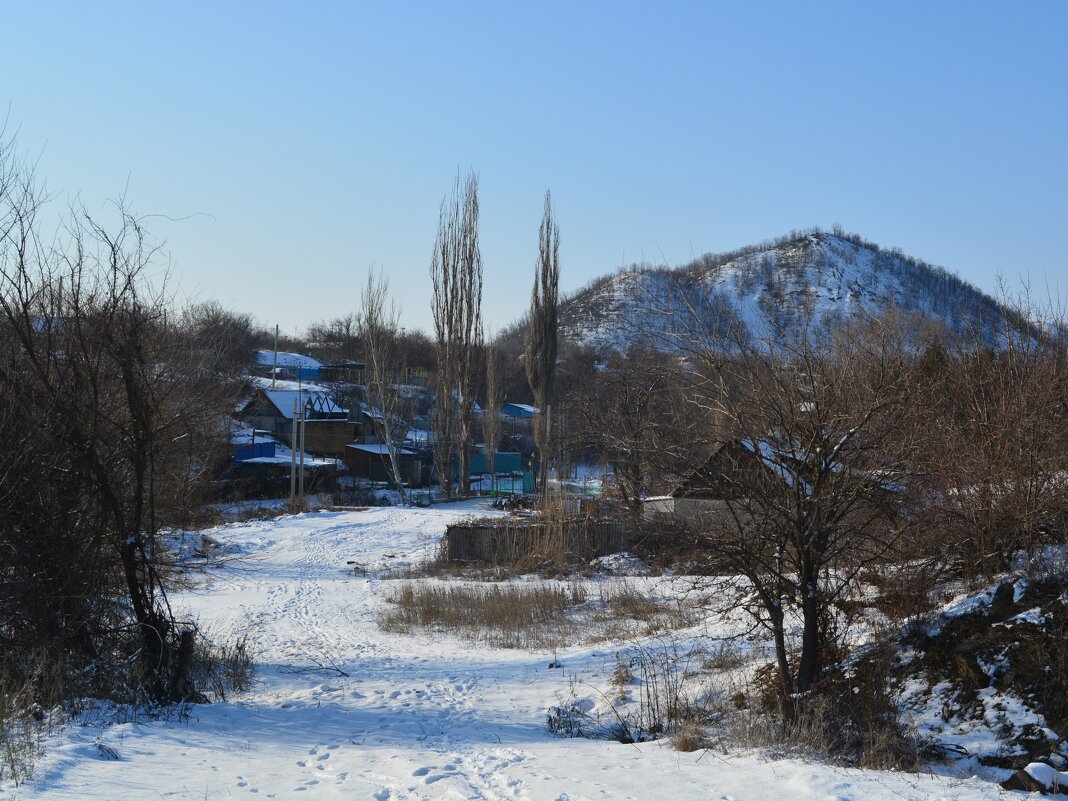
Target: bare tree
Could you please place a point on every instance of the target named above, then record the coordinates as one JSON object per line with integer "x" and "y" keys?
{"x": 491, "y": 420}
{"x": 224, "y": 339}
{"x": 336, "y": 338}
{"x": 634, "y": 414}
{"x": 541, "y": 341}
{"x": 126, "y": 420}
{"x": 809, "y": 490}
{"x": 996, "y": 422}
{"x": 379, "y": 325}
{"x": 456, "y": 271}
{"x": 111, "y": 392}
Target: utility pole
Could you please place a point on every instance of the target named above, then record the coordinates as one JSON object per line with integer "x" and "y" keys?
{"x": 274, "y": 372}
{"x": 303, "y": 428}
{"x": 293, "y": 455}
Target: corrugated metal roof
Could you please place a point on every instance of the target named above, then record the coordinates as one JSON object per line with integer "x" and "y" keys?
{"x": 519, "y": 410}
{"x": 286, "y": 359}
{"x": 319, "y": 402}
{"x": 378, "y": 448}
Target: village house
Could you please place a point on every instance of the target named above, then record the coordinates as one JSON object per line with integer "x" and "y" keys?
{"x": 370, "y": 460}
{"x": 726, "y": 491}
{"x": 328, "y": 428}
{"x": 704, "y": 497}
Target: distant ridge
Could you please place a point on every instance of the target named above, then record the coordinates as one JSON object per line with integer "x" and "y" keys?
{"x": 803, "y": 281}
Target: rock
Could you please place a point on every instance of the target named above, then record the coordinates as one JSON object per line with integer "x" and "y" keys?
{"x": 1038, "y": 777}
{"x": 1022, "y": 780}
{"x": 1003, "y": 605}
{"x": 969, "y": 672}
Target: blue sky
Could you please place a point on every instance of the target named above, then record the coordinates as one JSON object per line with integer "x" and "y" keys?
{"x": 309, "y": 141}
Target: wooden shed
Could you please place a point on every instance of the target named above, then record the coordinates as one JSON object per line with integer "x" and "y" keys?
{"x": 370, "y": 460}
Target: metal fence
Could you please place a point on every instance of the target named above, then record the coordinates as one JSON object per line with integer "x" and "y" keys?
{"x": 511, "y": 541}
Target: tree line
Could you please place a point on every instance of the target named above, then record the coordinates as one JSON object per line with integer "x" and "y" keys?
{"x": 889, "y": 447}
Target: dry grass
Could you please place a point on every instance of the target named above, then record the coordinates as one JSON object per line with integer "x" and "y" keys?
{"x": 654, "y": 697}
{"x": 223, "y": 665}
{"x": 622, "y": 676}
{"x": 725, "y": 655}
{"x": 667, "y": 699}
{"x": 24, "y": 720}
{"x": 820, "y": 728}
{"x": 533, "y": 616}
{"x": 850, "y": 718}
{"x": 688, "y": 737}
{"x": 626, "y": 612}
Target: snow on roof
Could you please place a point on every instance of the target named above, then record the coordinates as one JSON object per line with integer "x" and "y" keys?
{"x": 782, "y": 459}
{"x": 285, "y": 359}
{"x": 246, "y": 436}
{"x": 286, "y": 458}
{"x": 370, "y": 411}
{"x": 320, "y": 402}
{"x": 265, "y": 382}
{"x": 524, "y": 408}
{"x": 378, "y": 448}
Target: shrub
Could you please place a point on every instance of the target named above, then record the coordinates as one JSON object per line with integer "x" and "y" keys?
{"x": 688, "y": 737}
{"x": 223, "y": 665}
{"x": 24, "y": 700}
{"x": 850, "y": 717}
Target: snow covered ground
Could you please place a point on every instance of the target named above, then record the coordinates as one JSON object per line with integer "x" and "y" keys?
{"x": 343, "y": 710}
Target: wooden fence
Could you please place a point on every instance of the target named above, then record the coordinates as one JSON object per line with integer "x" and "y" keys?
{"x": 511, "y": 541}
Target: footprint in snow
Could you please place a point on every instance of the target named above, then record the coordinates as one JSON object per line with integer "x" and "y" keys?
{"x": 421, "y": 771}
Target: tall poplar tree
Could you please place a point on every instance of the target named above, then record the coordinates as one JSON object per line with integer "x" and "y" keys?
{"x": 541, "y": 335}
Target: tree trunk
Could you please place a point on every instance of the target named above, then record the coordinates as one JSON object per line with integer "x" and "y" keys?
{"x": 779, "y": 635}
{"x": 808, "y": 667}
{"x": 180, "y": 689}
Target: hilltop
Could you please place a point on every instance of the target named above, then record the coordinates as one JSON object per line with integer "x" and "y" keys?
{"x": 803, "y": 281}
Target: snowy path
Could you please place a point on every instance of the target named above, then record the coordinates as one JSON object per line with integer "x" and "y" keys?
{"x": 414, "y": 718}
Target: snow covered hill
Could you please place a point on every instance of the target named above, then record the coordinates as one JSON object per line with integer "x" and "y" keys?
{"x": 804, "y": 280}
{"x": 344, "y": 710}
